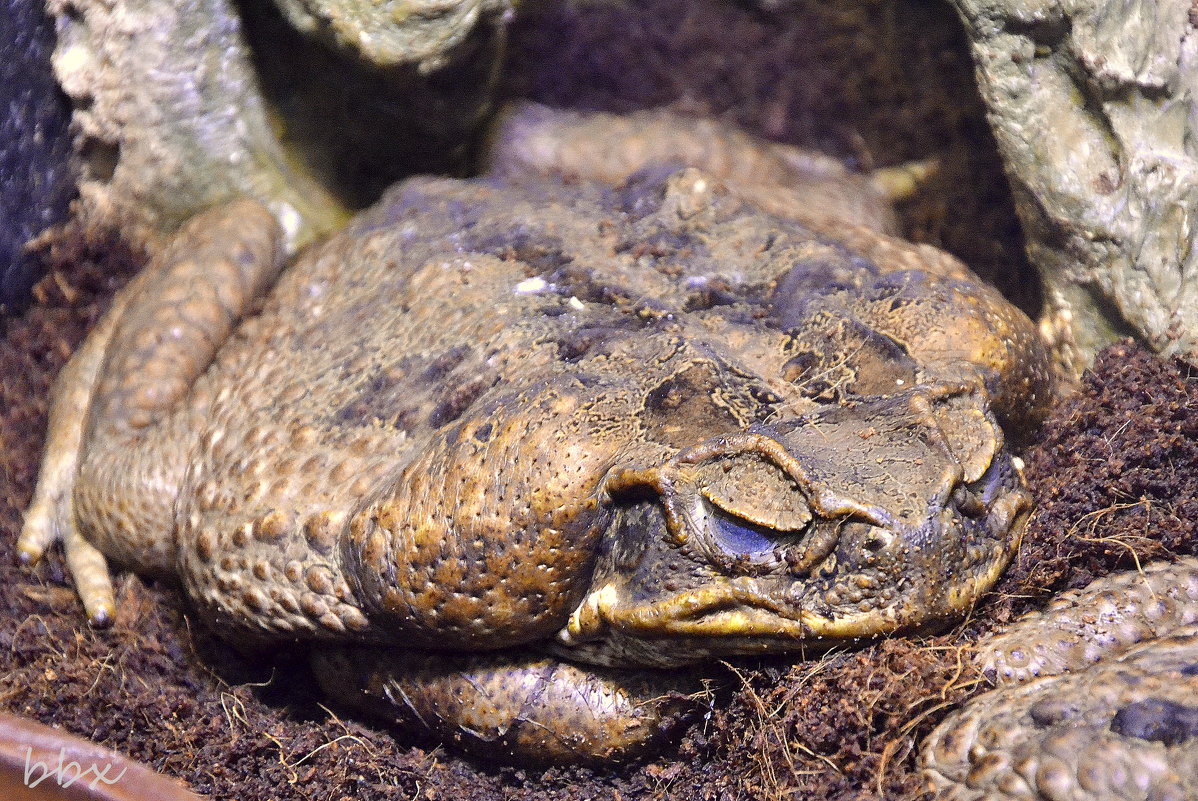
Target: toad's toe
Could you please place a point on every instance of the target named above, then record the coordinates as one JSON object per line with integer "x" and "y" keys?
{"x": 45, "y": 524}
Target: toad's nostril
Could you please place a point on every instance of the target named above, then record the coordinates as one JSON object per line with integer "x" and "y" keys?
{"x": 877, "y": 541}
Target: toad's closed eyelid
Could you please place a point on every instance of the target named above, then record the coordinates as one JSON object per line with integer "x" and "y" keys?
{"x": 739, "y": 536}
{"x": 734, "y": 534}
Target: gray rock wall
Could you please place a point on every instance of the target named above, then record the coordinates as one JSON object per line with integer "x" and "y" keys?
{"x": 1092, "y": 105}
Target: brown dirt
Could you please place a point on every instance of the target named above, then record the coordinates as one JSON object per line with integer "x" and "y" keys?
{"x": 1115, "y": 470}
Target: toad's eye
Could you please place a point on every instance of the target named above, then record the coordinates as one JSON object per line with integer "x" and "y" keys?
{"x": 736, "y": 535}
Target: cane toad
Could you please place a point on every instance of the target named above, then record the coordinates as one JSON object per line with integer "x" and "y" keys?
{"x": 508, "y": 449}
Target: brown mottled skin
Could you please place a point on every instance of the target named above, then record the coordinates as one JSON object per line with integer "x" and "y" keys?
{"x": 1097, "y": 699}
{"x": 504, "y": 443}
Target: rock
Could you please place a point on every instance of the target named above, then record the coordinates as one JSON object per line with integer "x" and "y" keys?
{"x": 1092, "y": 105}
{"x": 179, "y": 106}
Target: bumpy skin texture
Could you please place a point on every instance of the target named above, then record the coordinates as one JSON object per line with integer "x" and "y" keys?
{"x": 1081, "y": 627}
{"x": 629, "y": 427}
{"x": 821, "y": 193}
{"x": 1096, "y": 700}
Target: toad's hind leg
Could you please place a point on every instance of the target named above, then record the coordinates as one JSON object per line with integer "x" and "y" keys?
{"x": 530, "y": 709}
{"x": 811, "y": 189}
{"x": 108, "y": 469}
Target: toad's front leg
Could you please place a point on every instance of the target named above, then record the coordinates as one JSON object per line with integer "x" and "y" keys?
{"x": 530, "y": 709}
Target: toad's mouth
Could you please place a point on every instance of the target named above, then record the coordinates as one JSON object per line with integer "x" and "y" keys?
{"x": 732, "y": 610}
